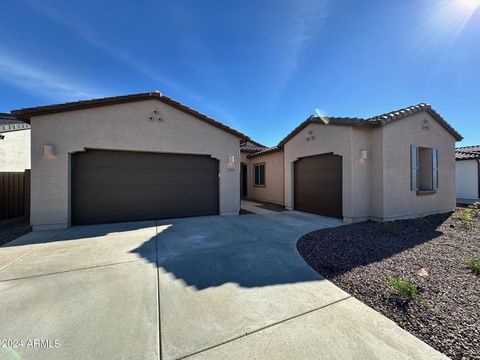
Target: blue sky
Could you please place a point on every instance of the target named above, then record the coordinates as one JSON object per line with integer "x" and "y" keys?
{"x": 261, "y": 67}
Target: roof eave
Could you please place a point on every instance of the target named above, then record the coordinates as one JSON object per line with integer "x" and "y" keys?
{"x": 27, "y": 113}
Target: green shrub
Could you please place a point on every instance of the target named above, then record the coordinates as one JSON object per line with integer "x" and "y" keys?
{"x": 474, "y": 265}
{"x": 466, "y": 217}
{"x": 404, "y": 287}
{"x": 389, "y": 228}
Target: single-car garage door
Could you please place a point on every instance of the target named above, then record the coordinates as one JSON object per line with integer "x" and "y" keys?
{"x": 318, "y": 185}
{"x": 114, "y": 186}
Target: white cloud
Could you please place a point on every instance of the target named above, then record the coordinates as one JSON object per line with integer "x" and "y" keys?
{"x": 307, "y": 18}
{"x": 40, "y": 81}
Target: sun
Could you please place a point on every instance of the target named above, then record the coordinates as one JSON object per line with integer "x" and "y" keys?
{"x": 470, "y": 4}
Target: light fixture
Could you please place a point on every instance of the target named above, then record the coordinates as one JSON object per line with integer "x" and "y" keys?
{"x": 231, "y": 162}
{"x": 49, "y": 151}
{"x": 363, "y": 154}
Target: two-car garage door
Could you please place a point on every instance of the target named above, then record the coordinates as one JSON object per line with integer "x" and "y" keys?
{"x": 114, "y": 186}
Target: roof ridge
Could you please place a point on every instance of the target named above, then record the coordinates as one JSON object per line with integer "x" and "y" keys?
{"x": 13, "y": 127}
{"x": 403, "y": 111}
{"x": 468, "y": 146}
{"x": 27, "y": 113}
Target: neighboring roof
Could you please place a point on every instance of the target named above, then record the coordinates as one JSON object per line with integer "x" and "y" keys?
{"x": 10, "y": 123}
{"x": 252, "y": 149}
{"x": 467, "y": 152}
{"x": 264, "y": 152}
{"x": 255, "y": 143}
{"x": 26, "y": 114}
{"x": 379, "y": 120}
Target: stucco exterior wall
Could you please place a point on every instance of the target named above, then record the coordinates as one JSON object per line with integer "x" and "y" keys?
{"x": 376, "y": 171}
{"x": 399, "y": 200}
{"x": 273, "y": 190}
{"x": 379, "y": 187}
{"x": 466, "y": 172}
{"x": 361, "y": 175}
{"x": 15, "y": 151}
{"x": 121, "y": 127}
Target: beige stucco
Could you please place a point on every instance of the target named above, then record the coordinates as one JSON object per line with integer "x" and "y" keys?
{"x": 379, "y": 187}
{"x": 15, "y": 151}
{"x": 121, "y": 127}
{"x": 398, "y": 199}
{"x": 466, "y": 172}
{"x": 273, "y": 189}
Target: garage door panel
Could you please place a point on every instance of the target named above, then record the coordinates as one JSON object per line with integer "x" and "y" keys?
{"x": 318, "y": 185}
{"x": 111, "y": 214}
{"x": 114, "y": 195}
{"x": 112, "y": 186}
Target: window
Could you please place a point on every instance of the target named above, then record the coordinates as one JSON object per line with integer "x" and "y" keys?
{"x": 424, "y": 169}
{"x": 259, "y": 174}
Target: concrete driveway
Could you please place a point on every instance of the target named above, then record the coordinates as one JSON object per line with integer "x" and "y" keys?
{"x": 207, "y": 287}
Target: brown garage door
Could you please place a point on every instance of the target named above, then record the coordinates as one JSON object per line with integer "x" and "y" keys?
{"x": 318, "y": 185}
{"x": 114, "y": 186}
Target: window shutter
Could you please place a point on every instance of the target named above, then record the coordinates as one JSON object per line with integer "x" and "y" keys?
{"x": 434, "y": 169}
{"x": 414, "y": 167}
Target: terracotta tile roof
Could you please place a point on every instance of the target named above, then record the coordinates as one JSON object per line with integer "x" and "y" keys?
{"x": 379, "y": 120}
{"x": 252, "y": 149}
{"x": 10, "y": 123}
{"x": 26, "y": 114}
{"x": 251, "y": 146}
{"x": 467, "y": 152}
{"x": 325, "y": 120}
{"x": 392, "y": 116}
{"x": 264, "y": 151}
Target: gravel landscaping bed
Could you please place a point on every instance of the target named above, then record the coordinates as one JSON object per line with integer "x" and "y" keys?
{"x": 10, "y": 229}
{"x": 429, "y": 252}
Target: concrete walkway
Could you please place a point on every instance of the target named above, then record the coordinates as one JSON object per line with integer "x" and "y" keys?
{"x": 207, "y": 287}
{"x": 254, "y": 207}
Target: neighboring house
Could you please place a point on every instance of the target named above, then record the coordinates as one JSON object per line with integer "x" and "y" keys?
{"x": 14, "y": 144}
{"x": 146, "y": 156}
{"x": 467, "y": 171}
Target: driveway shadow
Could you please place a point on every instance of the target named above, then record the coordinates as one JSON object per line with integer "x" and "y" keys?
{"x": 210, "y": 252}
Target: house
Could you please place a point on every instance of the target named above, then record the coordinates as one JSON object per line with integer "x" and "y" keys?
{"x": 14, "y": 144}
{"x": 146, "y": 156}
{"x": 467, "y": 172}
{"x": 255, "y": 158}
{"x": 127, "y": 158}
{"x": 396, "y": 165}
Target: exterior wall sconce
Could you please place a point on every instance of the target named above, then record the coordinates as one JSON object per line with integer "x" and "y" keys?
{"x": 363, "y": 154}
{"x": 231, "y": 162}
{"x": 49, "y": 152}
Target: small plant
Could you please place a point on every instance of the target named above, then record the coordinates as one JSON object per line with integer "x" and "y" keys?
{"x": 475, "y": 206}
{"x": 466, "y": 217}
{"x": 404, "y": 287}
{"x": 389, "y": 228}
{"x": 474, "y": 265}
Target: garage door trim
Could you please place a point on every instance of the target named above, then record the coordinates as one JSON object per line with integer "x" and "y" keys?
{"x": 154, "y": 186}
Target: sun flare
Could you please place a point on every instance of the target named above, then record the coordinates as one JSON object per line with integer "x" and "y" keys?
{"x": 470, "y": 4}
